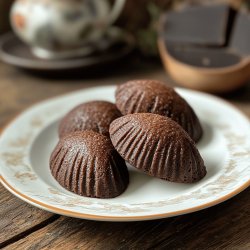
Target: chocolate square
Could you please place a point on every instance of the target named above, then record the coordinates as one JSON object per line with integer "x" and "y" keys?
{"x": 200, "y": 25}
{"x": 240, "y": 37}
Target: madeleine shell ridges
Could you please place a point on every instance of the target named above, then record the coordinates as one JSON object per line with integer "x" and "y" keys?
{"x": 158, "y": 146}
{"x": 152, "y": 96}
{"x": 93, "y": 115}
{"x": 87, "y": 164}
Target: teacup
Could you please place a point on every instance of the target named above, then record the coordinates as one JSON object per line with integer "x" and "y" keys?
{"x": 62, "y": 28}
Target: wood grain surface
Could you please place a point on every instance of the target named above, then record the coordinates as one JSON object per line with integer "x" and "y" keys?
{"x": 225, "y": 226}
{"x": 18, "y": 218}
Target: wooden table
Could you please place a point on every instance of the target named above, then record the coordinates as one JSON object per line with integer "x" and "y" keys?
{"x": 225, "y": 226}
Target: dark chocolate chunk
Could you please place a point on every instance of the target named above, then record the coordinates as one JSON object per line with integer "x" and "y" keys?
{"x": 151, "y": 96}
{"x": 158, "y": 146}
{"x": 240, "y": 37}
{"x": 94, "y": 115}
{"x": 201, "y": 25}
{"x": 86, "y": 163}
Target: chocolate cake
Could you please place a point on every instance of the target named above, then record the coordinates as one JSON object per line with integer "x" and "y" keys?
{"x": 151, "y": 96}
{"x": 158, "y": 146}
{"x": 94, "y": 115}
{"x": 86, "y": 163}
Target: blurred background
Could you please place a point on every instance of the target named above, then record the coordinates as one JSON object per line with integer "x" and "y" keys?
{"x": 198, "y": 44}
{"x": 141, "y": 23}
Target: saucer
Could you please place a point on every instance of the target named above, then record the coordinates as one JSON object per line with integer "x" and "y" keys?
{"x": 14, "y": 52}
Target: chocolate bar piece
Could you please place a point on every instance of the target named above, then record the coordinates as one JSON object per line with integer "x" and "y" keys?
{"x": 200, "y": 25}
{"x": 240, "y": 37}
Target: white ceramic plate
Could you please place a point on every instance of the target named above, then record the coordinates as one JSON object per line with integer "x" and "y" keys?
{"x": 26, "y": 144}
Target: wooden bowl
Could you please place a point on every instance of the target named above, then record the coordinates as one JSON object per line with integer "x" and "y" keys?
{"x": 215, "y": 80}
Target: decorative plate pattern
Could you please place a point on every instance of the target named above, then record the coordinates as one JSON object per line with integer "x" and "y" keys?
{"x": 26, "y": 144}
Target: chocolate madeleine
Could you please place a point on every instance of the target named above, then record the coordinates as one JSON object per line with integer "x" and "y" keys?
{"x": 86, "y": 163}
{"x": 94, "y": 115}
{"x": 158, "y": 146}
{"x": 151, "y": 96}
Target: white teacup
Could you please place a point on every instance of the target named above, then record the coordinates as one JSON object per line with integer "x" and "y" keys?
{"x": 62, "y": 28}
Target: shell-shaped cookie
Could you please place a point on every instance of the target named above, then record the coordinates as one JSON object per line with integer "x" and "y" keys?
{"x": 94, "y": 115}
{"x": 158, "y": 146}
{"x": 151, "y": 96}
{"x": 86, "y": 163}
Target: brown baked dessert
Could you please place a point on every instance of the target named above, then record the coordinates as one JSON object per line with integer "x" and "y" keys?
{"x": 94, "y": 115}
{"x": 86, "y": 163}
{"x": 151, "y": 96}
{"x": 158, "y": 146}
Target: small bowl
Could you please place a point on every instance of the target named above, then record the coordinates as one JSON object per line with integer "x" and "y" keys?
{"x": 215, "y": 80}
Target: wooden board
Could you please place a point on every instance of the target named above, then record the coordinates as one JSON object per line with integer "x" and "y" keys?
{"x": 18, "y": 218}
{"x": 224, "y": 226}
